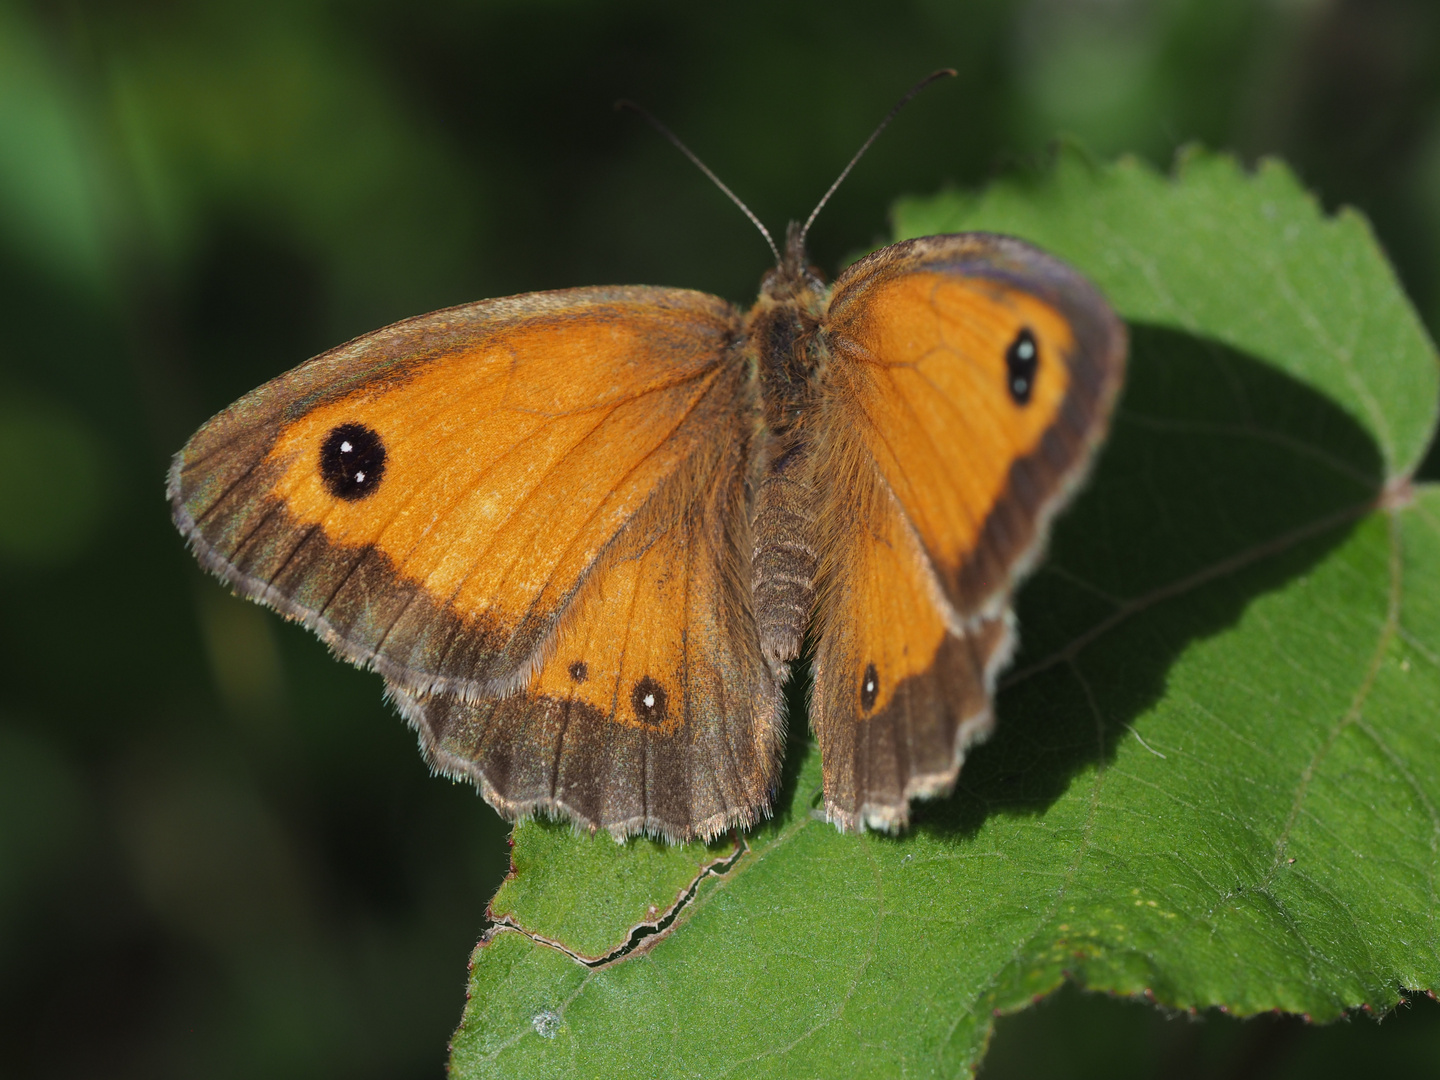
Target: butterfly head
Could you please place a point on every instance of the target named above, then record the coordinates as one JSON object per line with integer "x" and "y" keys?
{"x": 794, "y": 279}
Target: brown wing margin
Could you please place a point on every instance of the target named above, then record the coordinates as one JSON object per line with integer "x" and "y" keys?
{"x": 522, "y": 436}
{"x": 942, "y": 469}
{"x": 653, "y": 711}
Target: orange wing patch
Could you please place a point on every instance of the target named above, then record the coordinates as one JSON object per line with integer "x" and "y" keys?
{"x": 435, "y": 508}
{"x": 624, "y": 652}
{"x": 892, "y": 627}
{"x": 496, "y": 497}
{"x": 939, "y": 404}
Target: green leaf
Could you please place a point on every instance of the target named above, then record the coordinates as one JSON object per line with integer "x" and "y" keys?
{"x": 1216, "y": 773}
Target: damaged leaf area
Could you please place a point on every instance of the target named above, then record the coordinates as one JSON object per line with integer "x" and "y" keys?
{"x": 1215, "y": 779}
{"x": 644, "y": 888}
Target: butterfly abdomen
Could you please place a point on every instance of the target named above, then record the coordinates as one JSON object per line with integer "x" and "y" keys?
{"x": 781, "y": 330}
{"x": 783, "y": 578}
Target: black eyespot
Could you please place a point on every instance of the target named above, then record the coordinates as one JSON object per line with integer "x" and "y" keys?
{"x": 648, "y": 701}
{"x": 579, "y": 671}
{"x": 1021, "y": 361}
{"x": 869, "y": 688}
{"x": 352, "y": 461}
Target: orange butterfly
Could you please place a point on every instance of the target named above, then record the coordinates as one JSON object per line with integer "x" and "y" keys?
{"x": 583, "y": 533}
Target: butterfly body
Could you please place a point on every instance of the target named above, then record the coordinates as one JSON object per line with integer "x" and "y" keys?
{"x": 583, "y": 534}
{"x": 784, "y": 328}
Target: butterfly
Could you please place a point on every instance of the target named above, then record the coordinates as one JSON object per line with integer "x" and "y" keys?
{"x": 583, "y": 534}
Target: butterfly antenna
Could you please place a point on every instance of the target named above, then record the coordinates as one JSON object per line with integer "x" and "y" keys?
{"x": 674, "y": 139}
{"x": 943, "y": 73}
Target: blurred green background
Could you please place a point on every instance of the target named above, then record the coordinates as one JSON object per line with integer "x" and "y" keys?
{"x": 220, "y": 853}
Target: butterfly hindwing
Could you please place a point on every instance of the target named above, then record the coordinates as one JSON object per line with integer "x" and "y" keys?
{"x": 968, "y": 380}
{"x": 432, "y": 497}
{"x": 898, "y": 692}
{"x": 649, "y": 712}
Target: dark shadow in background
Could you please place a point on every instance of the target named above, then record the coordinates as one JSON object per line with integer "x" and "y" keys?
{"x": 1429, "y": 470}
{"x": 1075, "y": 1035}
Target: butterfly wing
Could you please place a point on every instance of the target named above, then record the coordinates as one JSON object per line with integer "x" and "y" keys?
{"x": 969, "y": 379}
{"x": 451, "y": 499}
{"x": 649, "y": 712}
{"x": 509, "y": 443}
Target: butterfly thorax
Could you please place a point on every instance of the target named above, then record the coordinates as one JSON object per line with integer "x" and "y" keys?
{"x": 783, "y": 332}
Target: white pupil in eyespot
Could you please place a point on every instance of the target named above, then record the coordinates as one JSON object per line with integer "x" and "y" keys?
{"x": 649, "y": 701}
{"x": 1025, "y": 350}
{"x": 345, "y": 447}
{"x": 360, "y": 477}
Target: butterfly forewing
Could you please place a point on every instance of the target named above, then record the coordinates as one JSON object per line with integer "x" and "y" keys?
{"x": 432, "y": 497}
{"x": 978, "y": 373}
